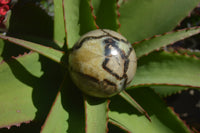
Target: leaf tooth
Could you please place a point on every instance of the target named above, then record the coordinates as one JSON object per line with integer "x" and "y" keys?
{"x": 165, "y": 33}
{"x": 158, "y": 49}
{"x": 179, "y": 24}
{"x": 2, "y": 62}
{"x": 8, "y": 127}
{"x": 146, "y": 54}
{"x": 156, "y": 36}
{"x": 186, "y": 54}
{"x": 17, "y": 125}
{"x": 135, "y": 43}
{"x": 176, "y": 52}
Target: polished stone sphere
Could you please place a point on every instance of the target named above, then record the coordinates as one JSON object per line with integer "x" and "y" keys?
{"x": 102, "y": 63}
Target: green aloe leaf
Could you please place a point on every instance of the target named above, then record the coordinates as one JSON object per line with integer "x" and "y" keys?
{"x": 28, "y": 96}
{"x": 105, "y": 12}
{"x": 156, "y": 42}
{"x": 96, "y": 115}
{"x": 67, "y": 111}
{"x": 78, "y": 18}
{"x": 163, "y": 119}
{"x": 169, "y": 90}
{"x": 59, "y": 27}
{"x": 49, "y": 52}
{"x": 56, "y": 121}
{"x": 142, "y": 19}
{"x": 164, "y": 68}
{"x": 22, "y": 108}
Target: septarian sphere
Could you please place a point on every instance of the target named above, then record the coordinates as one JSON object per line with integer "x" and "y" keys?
{"x": 102, "y": 63}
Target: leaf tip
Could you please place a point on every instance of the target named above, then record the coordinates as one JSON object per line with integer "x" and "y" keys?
{"x": 147, "y": 116}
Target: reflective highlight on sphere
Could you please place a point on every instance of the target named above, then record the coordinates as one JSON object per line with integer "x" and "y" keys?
{"x": 102, "y": 63}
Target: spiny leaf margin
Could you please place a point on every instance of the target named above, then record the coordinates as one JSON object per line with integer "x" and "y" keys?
{"x": 165, "y": 68}
{"x": 136, "y": 25}
{"x": 48, "y": 52}
{"x": 151, "y": 44}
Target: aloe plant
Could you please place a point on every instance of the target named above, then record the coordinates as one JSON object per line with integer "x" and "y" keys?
{"x": 37, "y": 94}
